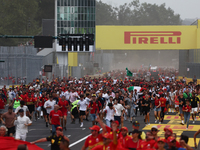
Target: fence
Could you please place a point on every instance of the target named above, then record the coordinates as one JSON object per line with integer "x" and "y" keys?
{"x": 19, "y": 65}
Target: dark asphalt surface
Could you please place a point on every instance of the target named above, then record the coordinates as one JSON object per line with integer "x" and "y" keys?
{"x": 38, "y": 130}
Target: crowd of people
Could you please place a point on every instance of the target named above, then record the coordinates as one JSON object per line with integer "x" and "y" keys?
{"x": 106, "y": 102}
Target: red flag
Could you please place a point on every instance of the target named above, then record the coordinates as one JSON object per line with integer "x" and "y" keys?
{"x": 9, "y": 143}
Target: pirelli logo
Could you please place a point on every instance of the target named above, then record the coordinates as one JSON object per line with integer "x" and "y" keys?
{"x": 152, "y": 37}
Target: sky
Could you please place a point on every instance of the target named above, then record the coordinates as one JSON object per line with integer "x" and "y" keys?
{"x": 186, "y": 8}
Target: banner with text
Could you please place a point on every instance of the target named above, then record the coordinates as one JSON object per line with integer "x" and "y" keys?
{"x": 147, "y": 37}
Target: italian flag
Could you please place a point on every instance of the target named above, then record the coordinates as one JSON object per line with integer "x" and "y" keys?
{"x": 131, "y": 88}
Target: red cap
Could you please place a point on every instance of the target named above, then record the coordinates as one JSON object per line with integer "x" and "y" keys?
{"x": 107, "y": 136}
{"x": 115, "y": 122}
{"x": 124, "y": 128}
{"x": 59, "y": 128}
{"x": 161, "y": 140}
{"x": 169, "y": 129}
{"x": 170, "y": 139}
{"x": 95, "y": 127}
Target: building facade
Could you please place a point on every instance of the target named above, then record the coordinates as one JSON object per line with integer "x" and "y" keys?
{"x": 75, "y": 16}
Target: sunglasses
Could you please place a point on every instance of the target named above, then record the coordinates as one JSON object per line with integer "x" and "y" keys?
{"x": 137, "y": 125}
{"x": 154, "y": 130}
{"x": 59, "y": 130}
{"x": 93, "y": 130}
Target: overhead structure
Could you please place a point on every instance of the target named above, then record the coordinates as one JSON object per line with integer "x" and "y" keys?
{"x": 148, "y": 37}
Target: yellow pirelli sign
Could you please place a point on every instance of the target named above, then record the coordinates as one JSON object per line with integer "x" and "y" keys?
{"x": 147, "y": 37}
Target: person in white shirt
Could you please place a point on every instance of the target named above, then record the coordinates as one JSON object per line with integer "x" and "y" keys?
{"x": 109, "y": 114}
{"x": 119, "y": 111}
{"x": 105, "y": 95}
{"x": 88, "y": 102}
{"x": 22, "y": 122}
{"x": 109, "y": 101}
{"x": 82, "y": 106}
{"x": 10, "y": 96}
{"x": 49, "y": 106}
{"x": 73, "y": 95}
{"x": 67, "y": 94}
{"x": 24, "y": 107}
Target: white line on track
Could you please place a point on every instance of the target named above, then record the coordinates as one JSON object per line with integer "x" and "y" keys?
{"x": 80, "y": 140}
{"x": 49, "y": 129}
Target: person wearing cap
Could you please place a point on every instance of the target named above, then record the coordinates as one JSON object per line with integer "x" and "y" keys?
{"x": 135, "y": 141}
{"x": 95, "y": 138}
{"x": 171, "y": 141}
{"x": 9, "y": 121}
{"x": 109, "y": 140}
{"x": 63, "y": 106}
{"x": 149, "y": 142}
{"x": 168, "y": 133}
{"x": 161, "y": 144}
{"x": 154, "y": 132}
{"x": 124, "y": 138}
{"x": 49, "y": 106}
{"x": 22, "y": 122}
{"x": 54, "y": 139}
{"x": 94, "y": 106}
{"x": 136, "y": 125}
{"x": 109, "y": 111}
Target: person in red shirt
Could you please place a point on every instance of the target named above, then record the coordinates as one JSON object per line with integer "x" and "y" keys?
{"x": 63, "y": 105}
{"x": 186, "y": 109}
{"x": 161, "y": 144}
{"x": 124, "y": 138}
{"x": 148, "y": 143}
{"x": 54, "y": 118}
{"x": 24, "y": 95}
{"x": 157, "y": 108}
{"x": 109, "y": 130}
{"x": 94, "y": 108}
{"x": 38, "y": 105}
{"x": 163, "y": 105}
{"x": 43, "y": 99}
{"x": 30, "y": 103}
{"x": 2, "y": 105}
{"x": 134, "y": 142}
{"x": 108, "y": 143}
{"x": 93, "y": 140}
{"x": 168, "y": 133}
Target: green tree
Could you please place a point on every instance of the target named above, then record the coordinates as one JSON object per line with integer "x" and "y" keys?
{"x": 135, "y": 13}
{"x": 18, "y": 18}
{"x": 46, "y": 10}
{"x": 105, "y": 14}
